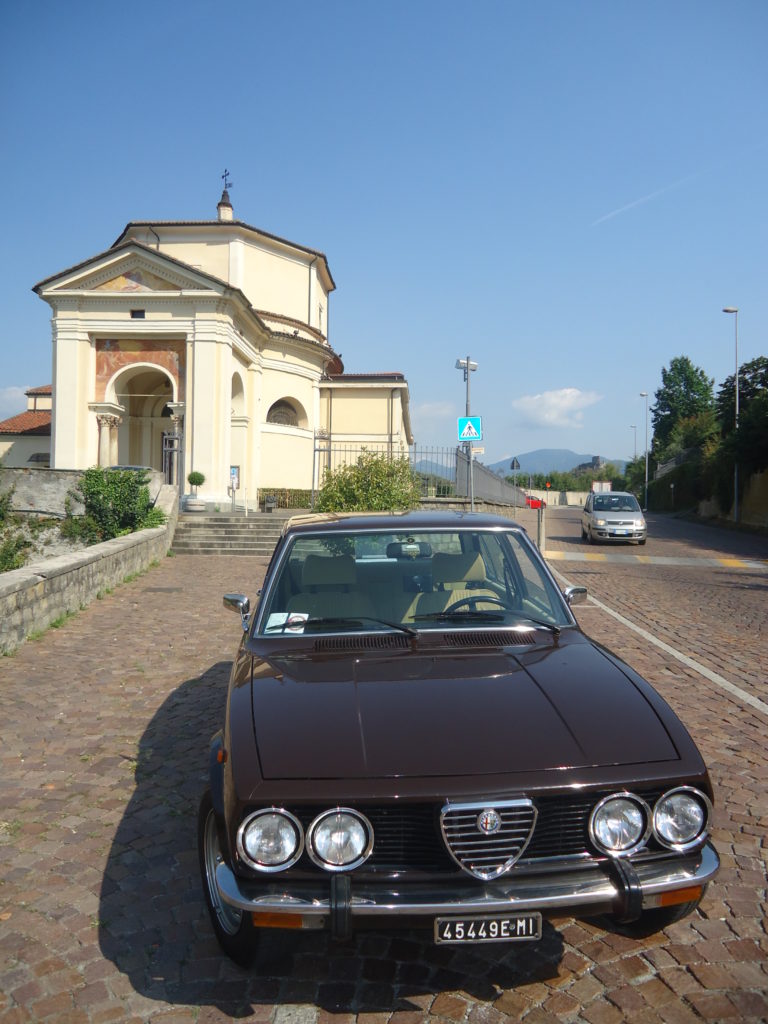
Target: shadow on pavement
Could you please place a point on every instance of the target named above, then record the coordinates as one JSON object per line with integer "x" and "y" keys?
{"x": 153, "y": 924}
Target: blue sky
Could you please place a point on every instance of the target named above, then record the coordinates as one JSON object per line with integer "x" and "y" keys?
{"x": 569, "y": 192}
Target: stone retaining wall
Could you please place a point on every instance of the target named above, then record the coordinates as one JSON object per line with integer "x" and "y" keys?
{"x": 45, "y": 491}
{"x": 33, "y": 597}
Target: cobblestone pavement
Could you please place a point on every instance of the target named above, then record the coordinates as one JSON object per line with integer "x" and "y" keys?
{"x": 105, "y": 725}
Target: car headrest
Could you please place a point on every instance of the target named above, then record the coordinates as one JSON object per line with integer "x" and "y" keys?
{"x": 332, "y": 570}
{"x": 457, "y": 568}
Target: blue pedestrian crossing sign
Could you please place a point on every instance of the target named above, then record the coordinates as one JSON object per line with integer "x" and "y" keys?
{"x": 470, "y": 428}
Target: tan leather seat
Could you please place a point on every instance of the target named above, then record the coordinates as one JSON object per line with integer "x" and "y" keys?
{"x": 454, "y": 578}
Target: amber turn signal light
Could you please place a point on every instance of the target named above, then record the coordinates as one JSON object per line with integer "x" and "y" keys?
{"x": 276, "y": 920}
{"x": 670, "y": 899}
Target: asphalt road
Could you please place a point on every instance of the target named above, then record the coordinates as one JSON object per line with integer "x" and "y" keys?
{"x": 105, "y": 725}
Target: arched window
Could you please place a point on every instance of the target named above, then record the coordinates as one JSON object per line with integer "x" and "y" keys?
{"x": 283, "y": 412}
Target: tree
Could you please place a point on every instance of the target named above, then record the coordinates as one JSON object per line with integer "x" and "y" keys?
{"x": 376, "y": 483}
{"x": 699, "y": 431}
{"x": 685, "y": 391}
{"x": 753, "y": 382}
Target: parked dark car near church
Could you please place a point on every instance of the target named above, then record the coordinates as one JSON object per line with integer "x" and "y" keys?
{"x": 419, "y": 734}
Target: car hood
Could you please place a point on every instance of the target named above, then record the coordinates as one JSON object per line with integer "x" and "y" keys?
{"x": 451, "y": 714}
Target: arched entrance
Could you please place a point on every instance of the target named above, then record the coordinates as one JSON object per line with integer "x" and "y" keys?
{"x": 144, "y": 392}
{"x": 238, "y": 438}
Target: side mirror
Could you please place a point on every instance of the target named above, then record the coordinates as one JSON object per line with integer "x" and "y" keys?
{"x": 575, "y": 595}
{"x": 239, "y": 603}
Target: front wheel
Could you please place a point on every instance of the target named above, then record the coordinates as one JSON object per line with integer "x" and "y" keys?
{"x": 234, "y": 929}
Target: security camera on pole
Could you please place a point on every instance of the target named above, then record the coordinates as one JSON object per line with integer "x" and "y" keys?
{"x": 470, "y": 428}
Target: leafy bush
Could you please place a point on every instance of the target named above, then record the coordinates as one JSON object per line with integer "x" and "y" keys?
{"x": 376, "y": 483}
{"x": 12, "y": 549}
{"x": 5, "y": 505}
{"x": 195, "y": 479}
{"x": 116, "y": 502}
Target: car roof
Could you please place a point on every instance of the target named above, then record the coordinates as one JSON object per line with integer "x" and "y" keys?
{"x": 343, "y": 522}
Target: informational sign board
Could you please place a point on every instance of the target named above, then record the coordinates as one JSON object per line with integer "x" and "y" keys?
{"x": 470, "y": 428}
{"x": 234, "y": 477}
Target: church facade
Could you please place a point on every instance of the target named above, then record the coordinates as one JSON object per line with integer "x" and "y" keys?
{"x": 203, "y": 345}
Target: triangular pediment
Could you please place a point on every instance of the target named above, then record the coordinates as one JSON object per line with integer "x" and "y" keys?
{"x": 133, "y": 269}
{"x": 136, "y": 280}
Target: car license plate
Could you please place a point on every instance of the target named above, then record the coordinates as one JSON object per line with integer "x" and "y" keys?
{"x": 621, "y": 533}
{"x": 488, "y": 928}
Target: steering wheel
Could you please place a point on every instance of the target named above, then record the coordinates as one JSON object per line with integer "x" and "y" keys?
{"x": 472, "y": 603}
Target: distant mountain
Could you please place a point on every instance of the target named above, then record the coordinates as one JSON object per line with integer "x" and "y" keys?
{"x": 546, "y": 460}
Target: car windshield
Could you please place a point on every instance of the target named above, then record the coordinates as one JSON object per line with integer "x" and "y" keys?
{"x": 374, "y": 580}
{"x": 616, "y": 503}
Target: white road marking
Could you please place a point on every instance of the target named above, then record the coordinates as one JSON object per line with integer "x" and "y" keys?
{"x": 713, "y": 677}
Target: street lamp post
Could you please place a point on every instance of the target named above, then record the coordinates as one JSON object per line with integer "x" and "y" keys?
{"x": 633, "y": 426}
{"x": 644, "y": 394}
{"x": 468, "y": 367}
{"x": 735, "y": 311}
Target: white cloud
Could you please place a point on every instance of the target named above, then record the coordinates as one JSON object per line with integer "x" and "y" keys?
{"x": 434, "y": 410}
{"x": 12, "y": 401}
{"x": 562, "y": 408}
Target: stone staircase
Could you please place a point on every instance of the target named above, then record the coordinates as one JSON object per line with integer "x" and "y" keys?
{"x": 219, "y": 534}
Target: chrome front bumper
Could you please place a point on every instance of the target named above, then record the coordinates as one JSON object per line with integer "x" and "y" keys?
{"x": 592, "y": 889}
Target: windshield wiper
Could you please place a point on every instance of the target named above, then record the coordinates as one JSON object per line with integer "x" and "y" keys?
{"x": 540, "y": 624}
{"x": 471, "y": 616}
{"x": 554, "y": 630}
{"x": 341, "y": 620}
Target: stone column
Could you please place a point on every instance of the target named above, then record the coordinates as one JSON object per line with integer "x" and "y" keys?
{"x": 107, "y": 439}
{"x": 178, "y": 410}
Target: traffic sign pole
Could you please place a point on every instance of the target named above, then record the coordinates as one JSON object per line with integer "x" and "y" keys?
{"x": 471, "y": 433}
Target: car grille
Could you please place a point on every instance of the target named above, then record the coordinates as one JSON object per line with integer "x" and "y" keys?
{"x": 408, "y": 838}
{"x": 487, "y": 855}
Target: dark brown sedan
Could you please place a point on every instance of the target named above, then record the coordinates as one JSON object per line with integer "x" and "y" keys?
{"x": 419, "y": 734}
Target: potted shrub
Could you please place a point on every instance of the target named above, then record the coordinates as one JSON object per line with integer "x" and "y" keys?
{"x": 195, "y": 480}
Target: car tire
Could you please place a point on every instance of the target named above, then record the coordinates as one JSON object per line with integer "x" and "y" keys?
{"x": 652, "y": 921}
{"x": 234, "y": 929}
{"x": 643, "y": 540}
{"x": 583, "y": 532}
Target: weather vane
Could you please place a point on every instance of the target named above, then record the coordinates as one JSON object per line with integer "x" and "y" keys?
{"x": 226, "y": 180}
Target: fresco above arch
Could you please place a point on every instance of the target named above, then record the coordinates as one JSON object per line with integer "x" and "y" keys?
{"x": 115, "y": 355}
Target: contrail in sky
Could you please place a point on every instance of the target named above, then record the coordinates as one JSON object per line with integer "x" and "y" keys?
{"x": 747, "y": 151}
{"x": 644, "y": 199}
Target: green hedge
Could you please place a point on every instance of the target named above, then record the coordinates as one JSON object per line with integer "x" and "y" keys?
{"x": 286, "y": 497}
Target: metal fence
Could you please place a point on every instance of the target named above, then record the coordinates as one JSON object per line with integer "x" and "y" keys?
{"x": 443, "y": 472}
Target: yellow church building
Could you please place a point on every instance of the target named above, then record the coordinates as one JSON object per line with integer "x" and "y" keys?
{"x": 203, "y": 345}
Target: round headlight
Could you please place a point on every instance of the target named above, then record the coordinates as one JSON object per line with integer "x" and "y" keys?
{"x": 619, "y": 824}
{"x": 270, "y": 840}
{"x": 680, "y": 818}
{"x": 339, "y": 840}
